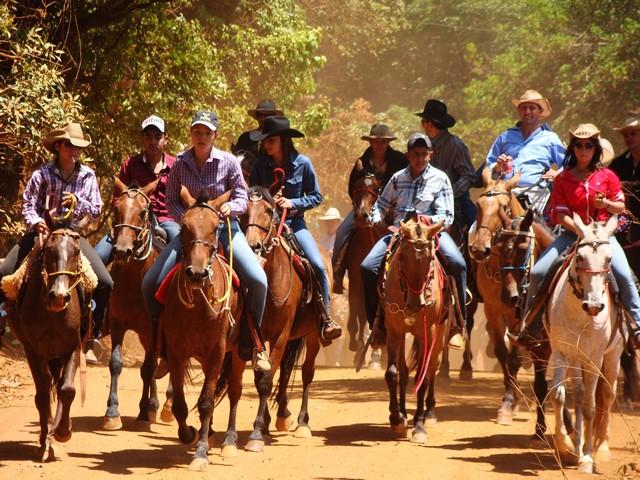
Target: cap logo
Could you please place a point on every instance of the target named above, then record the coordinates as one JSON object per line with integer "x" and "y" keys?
{"x": 205, "y": 116}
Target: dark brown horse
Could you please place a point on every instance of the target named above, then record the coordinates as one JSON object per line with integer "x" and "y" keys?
{"x": 47, "y": 321}
{"x": 202, "y": 306}
{"x": 133, "y": 252}
{"x": 365, "y": 192}
{"x": 415, "y": 301}
{"x": 288, "y": 322}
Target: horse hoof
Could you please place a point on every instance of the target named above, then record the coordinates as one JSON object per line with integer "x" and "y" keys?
{"x": 585, "y": 465}
{"x": 112, "y": 423}
{"x": 142, "y": 426}
{"x": 303, "y": 431}
{"x": 47, "y": 455}
{"x": 400, "y": 428}
{"x": 603, "y": 454}
{"x": 443, "y": 374}
{"x": 375, "y": 366}
{"x": 565, "y": 448}
{"x": 504, "y": 417}
{"x": 194, "y": 438}
{"x": 152, "y": 416}
{"x": 229, "y": 451}
{"x": 166, "y": 415}
{"x": 419, "y": 437}
{"x": 283, "y": 424}
{"x": 353, "y": 345}
{"x": 466, "y": 375}
{"x": 256, "y": 446}
{"x": 199, "y": 464}
{"x": 538, "y": 443}
{"x": 62, "y": 438}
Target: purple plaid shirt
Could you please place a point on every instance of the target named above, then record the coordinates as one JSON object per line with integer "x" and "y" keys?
{"x": 45, "y": 188}
{"x": 221, "y": 172}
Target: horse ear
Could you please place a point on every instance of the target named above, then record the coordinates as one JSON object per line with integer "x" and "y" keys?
{"x": 217, "y": 202}
{"x": 612, "y": 225}
{"x": 580, "y": 225}
{"x": 405, "y": 231}
{"x": 486, "y": 176}
{"x": 411, "y": 215}
{"x": 434, "y": 229}
{"x": 185, "y": 197}
{"x": 150, "y": 187}
{"x": 513, "y": 181}
{"x": 118, "y": 186}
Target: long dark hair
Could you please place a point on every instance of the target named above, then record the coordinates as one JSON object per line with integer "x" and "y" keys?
{"x": 287, "y": 148}
{"x": 570, "y": 157}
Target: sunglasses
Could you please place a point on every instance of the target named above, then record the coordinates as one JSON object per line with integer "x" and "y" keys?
{"x": 584, "y": 146}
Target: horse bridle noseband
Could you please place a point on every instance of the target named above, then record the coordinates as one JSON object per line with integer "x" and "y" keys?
{"x": 494, "y": 193}
{"x": 47, "y": 275}
{"x": 213, "y": 245}
{"x": 256, "y": 197}
{"x": 142, "y": 230}
{"x": 574, "y": 281}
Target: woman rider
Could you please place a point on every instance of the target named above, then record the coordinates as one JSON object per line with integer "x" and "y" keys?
{"x": 63, "y": 183}
{"x": 299, "y": 193}
{"x": 587, "y": 188}
{"x": 205, "y": 167}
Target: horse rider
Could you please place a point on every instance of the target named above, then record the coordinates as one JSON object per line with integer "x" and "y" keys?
{"x": 141, "y": 169}
{"x": 203, "y": 166}
{"x": 63, "y": 184}
{"x": 423, "y": 188}
{"x": 450, "y": 155}
{"x": 264, "y": 109}
{"x": 627, "y": 167}
{"x": 529, "y": 147}
{"x": 299, "y": 193}
{"x": 381, "y": 160}
{"x": 594, "y": 192}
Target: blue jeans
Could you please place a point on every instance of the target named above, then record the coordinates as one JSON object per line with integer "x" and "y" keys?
{"x": 245, "y": 265}
{"x": 342, "y": 236}
{"x": 619, "y": 267}
{"x": 452, "y": 261}
{"x": 105, "y": 246}
{"x": 311, "y": 251}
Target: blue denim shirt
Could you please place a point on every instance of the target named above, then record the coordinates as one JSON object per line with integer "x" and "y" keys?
{"x": 532, "y": 155}
{"x": 301, "y": 183}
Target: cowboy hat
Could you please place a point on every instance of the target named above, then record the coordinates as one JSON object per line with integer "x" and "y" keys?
{"x": 585, "y": 130}
{"x": 379, "y": 130}
{"x": 275, "y": 125}
{"x": 264, "y": 106}
{"x": 607, "y": 151}
{"x": 71, "y": 132}
{"x": 533, "y": 96}
{"x": 630, "y": 124}
{"x": 332, "y": 213}
{"x": 436, "y": 111}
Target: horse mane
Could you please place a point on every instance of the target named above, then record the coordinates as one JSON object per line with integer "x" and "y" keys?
{"x": 203, "y": 197}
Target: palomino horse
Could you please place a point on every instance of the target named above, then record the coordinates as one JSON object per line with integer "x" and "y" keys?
{"x": 415, "y": 301}
{"x": 201, "y": 307}
{"x": 586, "y": 343}
{"x": 365, "y": 192}
{"x": 47, "y": 321}
{"x": 288, "y": 322}
{"x": 497, "y": 207}
{"x": 134, "y": 253}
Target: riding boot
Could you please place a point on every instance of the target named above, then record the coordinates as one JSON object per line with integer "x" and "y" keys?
{"x": 260, "y": 359}
{"x": 532, "y": 334}
{"x": 456, "y": 332}
{"x": 329, "y": 330}
{"x": 339, "y": 270}
{"x": 379, "y": 331}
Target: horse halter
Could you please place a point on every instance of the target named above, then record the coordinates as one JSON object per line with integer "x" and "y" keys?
{"x": 257, "y": 197}
{"x": 577, "y": 290}
{"x": 143, "y": 230}
{"x": 420, "y": 245}
{"x": 496, "y": 233}
{"x": 46, "y": 275}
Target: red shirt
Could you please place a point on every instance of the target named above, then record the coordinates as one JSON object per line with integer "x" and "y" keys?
{"x": 572, "y": 195}
{"x": 136, "y": 169}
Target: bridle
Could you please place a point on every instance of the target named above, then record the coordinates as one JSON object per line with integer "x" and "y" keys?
{"x": 496, "y": 233}
{"x": 48, "y": 276}
{"x": 574, "y": 281}
{"x": 256, "y": 197}
{"x": 143, "y": 231}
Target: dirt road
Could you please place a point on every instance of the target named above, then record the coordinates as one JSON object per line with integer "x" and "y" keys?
{"x": 349, "y": 422}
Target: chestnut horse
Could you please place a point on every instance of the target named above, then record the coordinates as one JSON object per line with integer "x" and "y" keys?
{"x": 134, "y": 252}
{"x": 415, "y": 301}
{"x": 496, "y": 281}
{"x": 289, "y": 322}
{"x": 48, "y": 323}
{"x": 201, "y": 307}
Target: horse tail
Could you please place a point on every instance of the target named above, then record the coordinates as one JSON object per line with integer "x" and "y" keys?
{"x": 413, "y": 360}
{"x": 287, "y": 365}
{"x": 223, "y": 380}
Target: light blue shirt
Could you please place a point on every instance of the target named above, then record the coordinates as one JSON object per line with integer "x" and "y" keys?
{"x": 429, "y": 194}
{"x": 531, "y": 156}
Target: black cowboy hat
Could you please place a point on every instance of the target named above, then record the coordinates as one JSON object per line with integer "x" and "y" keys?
{"x": 436, "y": 111}
{"x": 275, "y": 125}
{"x": 264, "y": 106}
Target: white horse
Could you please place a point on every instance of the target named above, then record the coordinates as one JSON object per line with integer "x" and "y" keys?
{"x": 586, "y": 344}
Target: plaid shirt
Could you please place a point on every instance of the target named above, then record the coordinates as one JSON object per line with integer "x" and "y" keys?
{"x": 45, "y": 188}
{"x": 221, "y": 172}
{"x": 451, "y": 155}
{"x": 429, "y": 194}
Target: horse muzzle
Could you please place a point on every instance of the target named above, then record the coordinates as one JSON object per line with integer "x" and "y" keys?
{"x": 479, "y": 253}
{"x": 592, "y": 308}
{"x": 121, "y": 254}
{"x": 196, "y": 277}
{"x": 57, "y": 301}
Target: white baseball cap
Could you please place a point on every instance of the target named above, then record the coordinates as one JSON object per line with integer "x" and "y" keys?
{"x": 153, "y": 121}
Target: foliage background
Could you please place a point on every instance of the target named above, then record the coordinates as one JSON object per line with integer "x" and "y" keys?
{"x": 335, "y": 67}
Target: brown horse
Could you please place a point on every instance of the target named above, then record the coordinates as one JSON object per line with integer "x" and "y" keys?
{"x": 201, "y": 307}
{"x": 504, "y": 251}
{"x": 47, "y": 321}
{"x": 365, "y": 192}
{"x": 289, "y": 323}
{"x": 134, "y": 252}
{"x": 415, "y": 301}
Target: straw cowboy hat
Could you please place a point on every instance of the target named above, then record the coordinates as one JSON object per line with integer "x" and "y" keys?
{"x": 630, "y": 124}
{"x": 379, "y": 130}
{"x": 533, "y": 96}
{"x": 589, "y": 130}
{"x": 332, "y": 213}
{"x": 275, "y": 125}
{"x": 264, "y": 107}
{"x": 69, "y": 131}
{"x": 607, "y": 151}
